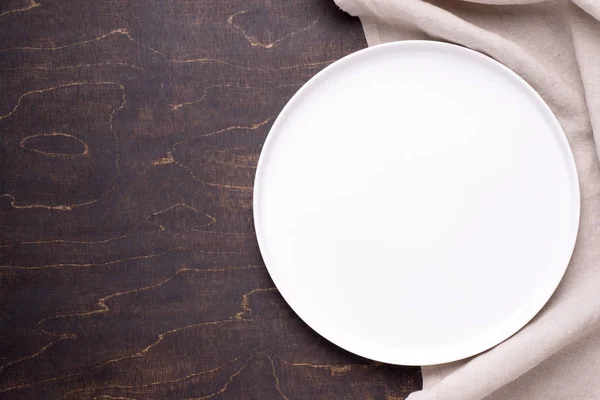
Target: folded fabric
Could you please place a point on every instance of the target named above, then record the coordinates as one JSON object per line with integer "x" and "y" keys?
{"x": 555, "y": 47}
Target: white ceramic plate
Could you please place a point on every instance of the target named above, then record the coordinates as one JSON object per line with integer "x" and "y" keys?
{"x": 416, "y": 203}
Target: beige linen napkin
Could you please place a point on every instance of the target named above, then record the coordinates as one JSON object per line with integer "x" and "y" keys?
{"x": 555, "y": 46}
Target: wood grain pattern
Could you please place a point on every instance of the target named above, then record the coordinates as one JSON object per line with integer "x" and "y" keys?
{"x": 128, "y": 264}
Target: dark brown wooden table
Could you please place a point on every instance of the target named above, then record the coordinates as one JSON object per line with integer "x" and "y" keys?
{"x": 129, "y": 136}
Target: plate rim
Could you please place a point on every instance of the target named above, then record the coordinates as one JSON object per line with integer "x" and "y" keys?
{"x": 461, "y": 350}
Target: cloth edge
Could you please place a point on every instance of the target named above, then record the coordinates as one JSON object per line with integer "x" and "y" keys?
{"x": 370, "y": 30}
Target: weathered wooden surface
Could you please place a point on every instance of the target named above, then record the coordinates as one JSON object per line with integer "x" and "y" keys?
{"x": 130, "y": 132}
